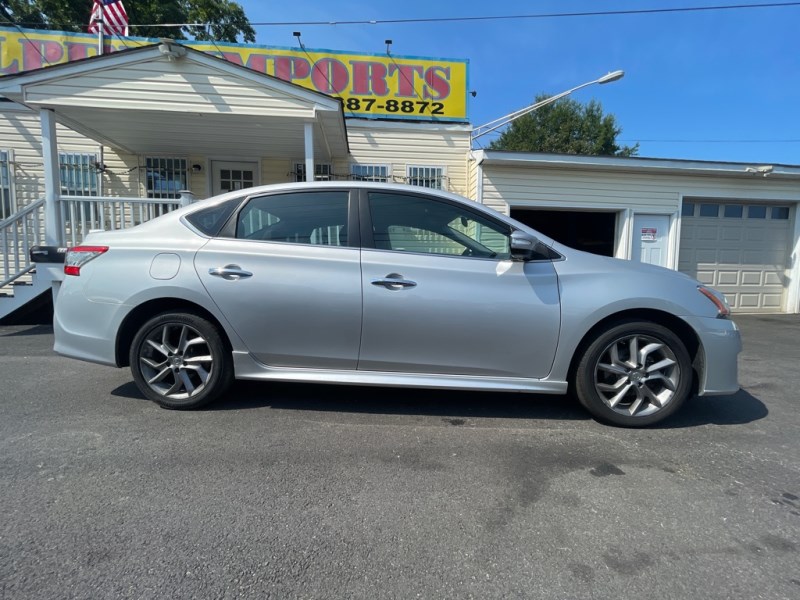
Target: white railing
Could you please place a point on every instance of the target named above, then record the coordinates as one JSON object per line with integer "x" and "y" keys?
{"x": 17, "y": 234}
{"x": 80, "y": 214}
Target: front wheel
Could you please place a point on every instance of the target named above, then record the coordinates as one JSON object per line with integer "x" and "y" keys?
{"x": 180, "y": 361}
{"x": 634, "y": 374}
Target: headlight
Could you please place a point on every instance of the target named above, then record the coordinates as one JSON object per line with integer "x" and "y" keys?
{"x": 719, "y": 300}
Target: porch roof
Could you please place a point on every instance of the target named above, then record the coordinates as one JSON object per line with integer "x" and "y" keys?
{"x": 168, "y": 98}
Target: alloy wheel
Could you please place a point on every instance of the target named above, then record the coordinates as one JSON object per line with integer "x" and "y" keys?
{"x": 176, "y": 361}
{"x": 637, "y": 375}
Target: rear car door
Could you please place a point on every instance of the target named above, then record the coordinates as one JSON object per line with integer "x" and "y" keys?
{"x": 441, "y": 294}
{"x": 286, "y": 274}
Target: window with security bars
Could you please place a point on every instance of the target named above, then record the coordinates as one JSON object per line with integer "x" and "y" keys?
{"x": 322, "y": 172}
{"x": 6, "y": 196}
{"x": 78, "y": 173}
{"x": 166, "y": 177}
{"x": 429, "y": 177}
{"x": 377, "y": 173}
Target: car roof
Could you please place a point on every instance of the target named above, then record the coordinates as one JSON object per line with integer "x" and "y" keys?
{"x": 318, "y": 185}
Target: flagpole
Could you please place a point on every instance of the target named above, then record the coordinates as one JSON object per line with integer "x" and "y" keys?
{"x": 100, "y": 30}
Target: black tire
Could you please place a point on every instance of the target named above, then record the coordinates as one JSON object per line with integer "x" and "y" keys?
{"x": 180, "y": 361}
{"x": 619, "y": 390}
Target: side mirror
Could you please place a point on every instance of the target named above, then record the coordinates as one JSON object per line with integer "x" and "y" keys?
{"x": 522, "y": 245}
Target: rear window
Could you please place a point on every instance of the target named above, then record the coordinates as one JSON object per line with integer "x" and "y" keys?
{"x": 210, "y": 220}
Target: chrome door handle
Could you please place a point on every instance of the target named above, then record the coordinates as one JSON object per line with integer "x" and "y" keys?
{"x": 230, "y": 272}
{"x": 393, "y": 281}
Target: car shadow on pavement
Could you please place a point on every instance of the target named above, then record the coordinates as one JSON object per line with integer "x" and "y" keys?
{"x": 401, "y": 401}
{"x": 735, "y": 409}
{"x": 245, "y": 395}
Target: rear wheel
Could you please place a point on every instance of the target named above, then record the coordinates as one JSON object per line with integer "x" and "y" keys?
{"x": 634, "y": 374}
{"x": 180, "y": 361}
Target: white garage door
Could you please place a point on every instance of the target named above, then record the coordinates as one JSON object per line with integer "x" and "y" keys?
{"x": 740, "y": 249}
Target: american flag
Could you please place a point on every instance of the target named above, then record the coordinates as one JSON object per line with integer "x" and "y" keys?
{"x": 113, "y": 16}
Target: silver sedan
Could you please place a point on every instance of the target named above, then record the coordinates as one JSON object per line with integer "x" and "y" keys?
{"x": 379, "y": 284}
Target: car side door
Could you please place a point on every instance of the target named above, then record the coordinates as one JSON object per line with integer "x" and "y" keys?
{"x": 442, "y": 295}
{"x": 286, "y": 274}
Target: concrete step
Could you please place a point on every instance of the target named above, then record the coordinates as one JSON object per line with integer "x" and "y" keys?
{"x": 15, "y": 296}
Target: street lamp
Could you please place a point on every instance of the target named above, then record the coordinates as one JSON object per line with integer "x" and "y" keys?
{"x": 491, "y": 126}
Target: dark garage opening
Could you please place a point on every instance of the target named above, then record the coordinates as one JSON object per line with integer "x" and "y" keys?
{"x": 588, "y": 231}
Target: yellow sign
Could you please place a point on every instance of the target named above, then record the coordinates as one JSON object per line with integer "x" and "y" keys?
{"x": 370, "y": 85}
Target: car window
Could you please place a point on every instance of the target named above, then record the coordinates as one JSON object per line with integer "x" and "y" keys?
{"x": 317, "y": 218}
{"x": 210, "y": 220}
{"x": 411, "y": 223}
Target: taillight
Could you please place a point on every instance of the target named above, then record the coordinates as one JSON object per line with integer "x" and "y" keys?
{"x": 79, "y": 256}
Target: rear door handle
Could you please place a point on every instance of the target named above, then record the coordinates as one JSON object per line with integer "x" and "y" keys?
{"x": 394, "y": 281}
{"x": 230, "y": 272}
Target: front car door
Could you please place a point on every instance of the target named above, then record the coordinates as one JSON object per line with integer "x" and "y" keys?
{"x": 441, "y": 294}
{"x": 286, "y": 274}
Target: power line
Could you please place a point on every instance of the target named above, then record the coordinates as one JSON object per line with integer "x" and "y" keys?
{"x": 35, "y": 47}
{"x": 717, "y": 141}
{"x": 119, "y": 37}
{"x": 643, "y": 11}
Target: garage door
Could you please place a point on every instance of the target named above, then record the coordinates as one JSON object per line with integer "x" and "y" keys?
{"x": 740, "y": 249}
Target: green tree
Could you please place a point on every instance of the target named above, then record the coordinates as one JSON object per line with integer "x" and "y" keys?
{"x": 565, "y": 126}
{"x": 226, "y": 19}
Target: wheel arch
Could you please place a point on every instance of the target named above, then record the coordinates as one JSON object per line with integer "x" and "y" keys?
{"x": 145, "y": 311}
{"x": 675, "y": 324}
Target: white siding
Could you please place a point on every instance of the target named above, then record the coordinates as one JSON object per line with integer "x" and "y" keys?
{"x": 520, "y": 186}
{"x": 400, "y": 145}
{"x": 516, "y": 186}
{"x": 20, "y": 130}
{"x": 168, "y": 86}
{"x": 125, "y": 176}
{"x": 198, "y": 182}
{"x": 276, "y": 171}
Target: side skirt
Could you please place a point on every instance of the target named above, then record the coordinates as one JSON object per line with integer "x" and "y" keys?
{"x": 248, "y": 368}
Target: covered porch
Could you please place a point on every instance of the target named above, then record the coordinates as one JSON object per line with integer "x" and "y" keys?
{"x": 172, "y": 124}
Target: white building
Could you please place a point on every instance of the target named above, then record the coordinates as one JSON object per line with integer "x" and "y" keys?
{"x": 733, "y": 226}
{"x": 112, "y": 140}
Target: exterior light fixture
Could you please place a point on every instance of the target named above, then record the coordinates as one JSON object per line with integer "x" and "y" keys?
{"x": 609, "y": 77}
{"x": 170, "y": 49}
{"x": 491, "y": 126}
{"x": 762, "y": 170}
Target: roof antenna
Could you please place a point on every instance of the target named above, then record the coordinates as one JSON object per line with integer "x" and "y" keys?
{"x": 388, "y": 45}
{"x": 299, "y": 41}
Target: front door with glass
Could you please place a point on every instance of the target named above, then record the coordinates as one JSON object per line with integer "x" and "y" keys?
{"x": 229, "y": 176}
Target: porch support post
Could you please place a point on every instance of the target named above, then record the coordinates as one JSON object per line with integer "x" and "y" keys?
{"x": 308, "y": 130}
{"x": 52, "y": 226}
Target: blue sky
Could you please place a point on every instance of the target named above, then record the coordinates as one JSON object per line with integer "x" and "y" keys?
{"x": 721, "y": 75}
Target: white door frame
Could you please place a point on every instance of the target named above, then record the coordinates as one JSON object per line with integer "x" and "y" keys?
{"x": 672, "y": 234}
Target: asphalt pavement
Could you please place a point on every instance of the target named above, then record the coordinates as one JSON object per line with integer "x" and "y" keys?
{"x": 301, "y": 491}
